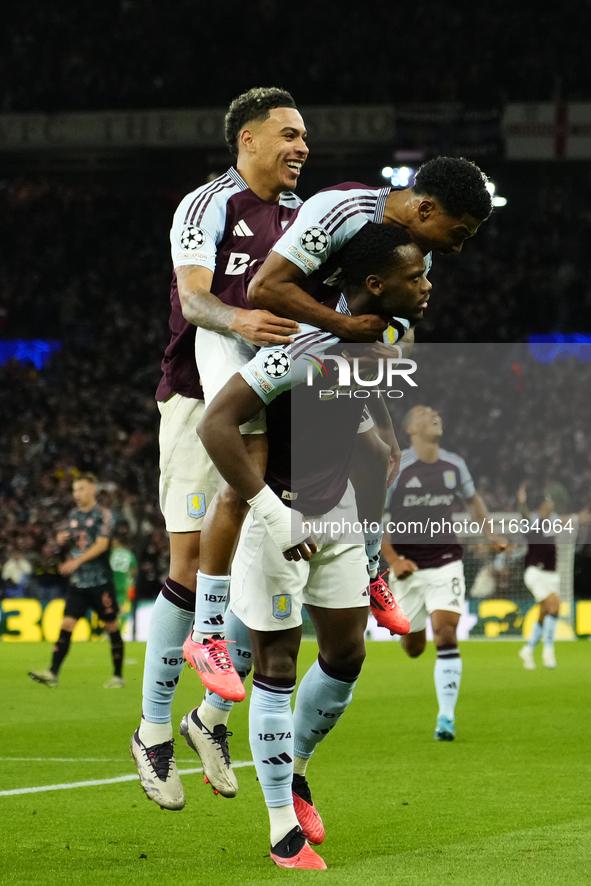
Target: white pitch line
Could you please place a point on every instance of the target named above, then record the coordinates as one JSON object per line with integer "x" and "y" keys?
{"x": 68, "y": 760}
{"x": 83, "y": 784}
{"x": 60, "y": 760}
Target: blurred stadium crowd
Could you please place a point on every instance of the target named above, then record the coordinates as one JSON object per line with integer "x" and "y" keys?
{"x": 151, "y": 53}
{"x": 89, "y": 265}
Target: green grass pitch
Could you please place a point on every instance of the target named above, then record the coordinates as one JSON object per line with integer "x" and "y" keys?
{"x": 509, "y": 802}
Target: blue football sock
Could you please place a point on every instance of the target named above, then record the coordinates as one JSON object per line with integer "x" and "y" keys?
{"x": 536, "y": 635}
{"x": 240, "y": 654}
{"x": 448, "y": 674}
{"x": 170, "y": 626}
{"x": 210, "y": 604}
{"x": 320, "y": 701}
{"x": 549, "y": 629}
{"x": 271, "y": 737}
{"x": 373, "y": 545}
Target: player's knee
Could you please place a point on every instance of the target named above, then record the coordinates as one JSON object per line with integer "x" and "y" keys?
{"x": 413, "y": 646}
{"x": 445, "y": 636}
{"x": 551, "y": 605}
{"x": 346, "y": 660}
{"x": 277, "y": 663}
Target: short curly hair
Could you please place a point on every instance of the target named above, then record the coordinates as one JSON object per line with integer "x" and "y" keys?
{"x": 373, "y": 250}
{"x": 458, "y": 184}
{"x": 250, "y": 106}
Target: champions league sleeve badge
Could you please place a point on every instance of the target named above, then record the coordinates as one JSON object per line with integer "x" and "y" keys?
{"x": 315, "y": 240}
{"x": 192, "y": 238}
{"x": 277, "y": 364}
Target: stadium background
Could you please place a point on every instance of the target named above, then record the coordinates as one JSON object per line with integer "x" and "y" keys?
{"x": 110, "y": 114}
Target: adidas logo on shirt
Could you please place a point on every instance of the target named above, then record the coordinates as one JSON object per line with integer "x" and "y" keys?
{"x": 413, "y": 483}
{"x": 241, "y": 229}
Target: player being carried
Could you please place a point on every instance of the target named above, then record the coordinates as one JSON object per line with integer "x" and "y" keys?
{"x": 428, "y": 578}
{"x": 541, "y": 577}
{"x": 278, "y": 567}
{"x": 446, "y": 205}
{"x": 90, "y": 579}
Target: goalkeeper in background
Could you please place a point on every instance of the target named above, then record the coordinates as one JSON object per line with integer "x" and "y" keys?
{"x": 123, "y": 564}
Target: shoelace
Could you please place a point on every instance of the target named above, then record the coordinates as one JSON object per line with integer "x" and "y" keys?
{"x": 218, "y": 651}
{"x": 383, "y": 590}
{"x": 160, "y": 756}
{"x": 221, "y": 739}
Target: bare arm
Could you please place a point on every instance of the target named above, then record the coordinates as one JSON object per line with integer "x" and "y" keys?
{"x": 400, "y": 566}
{"x": 381, "y": 416}
{"x": 219, "y": 430}
{"x": 220, "y": 433}
{"x": 202, "y": 308}
{"x": 479, "y": 513}
{"x": 522, "y": 501}
{"x": 276, "y": 287}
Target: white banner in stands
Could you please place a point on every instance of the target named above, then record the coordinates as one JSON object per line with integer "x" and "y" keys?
{"x": 551, "y": 131}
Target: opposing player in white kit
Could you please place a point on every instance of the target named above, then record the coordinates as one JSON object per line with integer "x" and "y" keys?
{"x": 428, "y": 579}
{"x": 327, "y": 573}
{"x": 217, "y": 230}
{"x": 541, "y": 577}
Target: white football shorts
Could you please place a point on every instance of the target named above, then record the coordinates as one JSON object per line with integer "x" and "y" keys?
{"x": 188, "y": 478}
{"x": 267, "y": 591}
{"x": 426, "y": 590}
{"x": 541, "y": 582}
{"x": 219, "y": 357}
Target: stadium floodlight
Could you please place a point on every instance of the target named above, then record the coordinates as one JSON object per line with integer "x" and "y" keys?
{"x": 400, "y": 176}
{"x": 496, "y": 199}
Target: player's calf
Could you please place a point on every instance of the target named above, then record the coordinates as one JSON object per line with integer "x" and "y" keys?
{"x": 447, "y": 676}
{"x": 414, "y": 643}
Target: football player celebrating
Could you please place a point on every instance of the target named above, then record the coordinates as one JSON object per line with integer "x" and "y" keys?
{"x": 541, "y": 577}
{"x": 428, "y": 579}
{"x": 249, "y": 204}
{"x": 278, "y": 567}
{"x": 447, "y": 204}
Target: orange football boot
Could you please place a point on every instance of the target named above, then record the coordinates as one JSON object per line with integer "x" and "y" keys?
{"x": 384, "y": 607}
{"x": 213, "y": 664}
{"x": 308, "y": 816}
{"x": 294, "y": 851}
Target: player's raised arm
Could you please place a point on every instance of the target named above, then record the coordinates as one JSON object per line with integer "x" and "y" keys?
{"x": 383, "y": 422}
{"x": 202, "y": 308}
{"x": 479, "y": 513}
{"x": 276, "y": 288}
